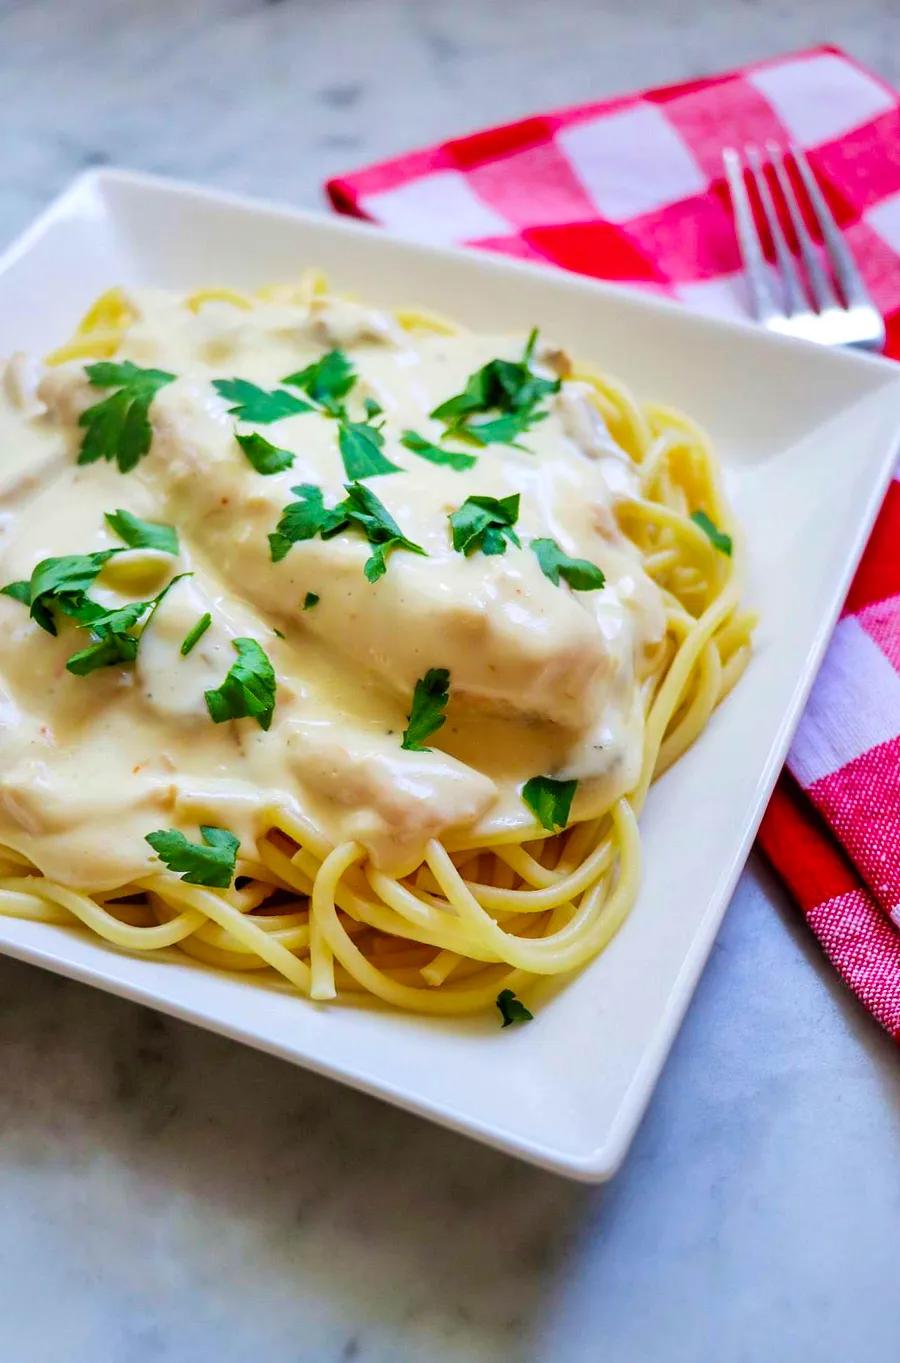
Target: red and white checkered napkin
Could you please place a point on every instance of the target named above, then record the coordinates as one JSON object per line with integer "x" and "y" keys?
{"x": 631, "y": 189}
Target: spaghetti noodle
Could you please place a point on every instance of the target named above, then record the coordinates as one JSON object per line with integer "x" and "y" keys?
{"x": 417, "y": 874}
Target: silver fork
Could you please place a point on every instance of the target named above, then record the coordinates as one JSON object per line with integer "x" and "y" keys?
{"x": 808, "y": 307}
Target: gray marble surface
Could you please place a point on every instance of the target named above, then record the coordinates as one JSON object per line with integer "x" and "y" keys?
{"x": 168, "y": 1197}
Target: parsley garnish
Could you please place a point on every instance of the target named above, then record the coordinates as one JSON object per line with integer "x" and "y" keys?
{"x": 512, "y": 1009}
{"x": 549, "y": 800}
{"x": 59, "y": 582}
{"x": 111, "y": 631}
{"x": 717, "y": 537}
{"x": 361, "y": 444}
{"x": 106, "y": 652}
{"x": 426, "y": 716}
{"x": 113, "y": 641}
{"x": 485, "y": 523}
{"x": 259, "y": 405}
{"x": 139, "y": 534}
{"x": 580, "y": 573}
{"x": 208, "y": 863}
{"x": 62, "y": 584}
{"x": 509, "y": 387}
{"x": 118, "y": 428}
{"x": 248, "y": 689}
{"x": 19, "y": 591}
{"x": 435, "y": 454}
{"x": 501, "y": 430}
{"x": 263, "y": 455}
{"x": 300, "y": 520}
{"x": 195, "y": 633}
{"x": 308, "y": 517}
{"x": 310, "y": 600}
{"x": 327, "y": 381}
{"x": 363, "y": 509}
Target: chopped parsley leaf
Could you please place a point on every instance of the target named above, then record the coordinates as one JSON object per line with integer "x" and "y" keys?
{"x": 139, "y": 534}
{"x": 248, "y": 689}
{"x": 436, "y": 454}
{"x": 363, "y": 509}
{"x": 211, "y": 862}
{"x": 508, "y": 387}
{"x": 426, "y": 715}
{"x": 300, "y": 520}
{"x": 308, "y": 517}
{"x": 361, "y": 446}
{"x": 580, "y": 573}
{"x": 111, "y": 631}
{"x": 327, "y": 381}
{"x": 60, "y": 582}
{"x": 265, "y": 457}
{"x": 117, "y": 646}
{"x": 118, "y": 428}
{"x": 512, "y": 1009}
{"x": 19, "y": 591}
{"x": 717, "y": 537}
{"x": 259, "y": 405}
{"x": 310, "y": 600}
{"x": 195, "y": 633}
{"x": 485, "y": 523}
{"x": 500, "y": 430}
{"x": 549, "y": 800}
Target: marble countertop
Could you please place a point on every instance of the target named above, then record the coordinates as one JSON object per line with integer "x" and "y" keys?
{"x": 167, "y": 1196}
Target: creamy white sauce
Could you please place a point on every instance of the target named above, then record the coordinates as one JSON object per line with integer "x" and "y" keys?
{"x": 544, "y": 680}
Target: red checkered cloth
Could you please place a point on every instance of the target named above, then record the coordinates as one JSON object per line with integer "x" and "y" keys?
{"x": 631, "y": 189}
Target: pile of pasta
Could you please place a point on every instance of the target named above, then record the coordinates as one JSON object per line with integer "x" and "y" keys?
{"x": 476, "y": 917}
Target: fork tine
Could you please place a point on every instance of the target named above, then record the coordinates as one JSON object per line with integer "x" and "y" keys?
{"x": 755, "y": 267}
{"x": 794, "y": 294}
{"x": 842, "y": 262}
{"x": 819, "y": 282}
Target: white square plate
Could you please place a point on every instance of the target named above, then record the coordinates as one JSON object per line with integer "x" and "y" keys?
{"x": 807, "y": 438}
